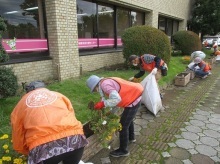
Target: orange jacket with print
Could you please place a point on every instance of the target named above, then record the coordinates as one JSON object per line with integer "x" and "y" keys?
{"x": 42, "y": 116}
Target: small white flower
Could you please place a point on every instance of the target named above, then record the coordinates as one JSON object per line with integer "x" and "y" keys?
{"x": 109, "y": 147}
{"x": 104, "y": 122}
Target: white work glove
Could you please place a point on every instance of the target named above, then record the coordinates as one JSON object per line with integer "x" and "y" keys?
{"x": 154, "y": 71}
{"x": 131, "y": 78}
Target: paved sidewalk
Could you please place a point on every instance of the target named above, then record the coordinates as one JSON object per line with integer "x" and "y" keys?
{"x": 187, "y": 131}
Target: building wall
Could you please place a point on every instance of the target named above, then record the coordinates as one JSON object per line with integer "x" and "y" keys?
{"x": 63, "y": 37}
{"x": 31, "y": 71}
{"x": 94, "y": 62}
{"x": 178, "y": 9}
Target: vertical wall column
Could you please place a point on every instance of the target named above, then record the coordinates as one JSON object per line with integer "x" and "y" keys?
{"x": 183, "y": 25}
{"x": 63, "y": 37}
{"x": 151, "y": 19}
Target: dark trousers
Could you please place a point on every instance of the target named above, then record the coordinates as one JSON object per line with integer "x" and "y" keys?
{"x": 127, "y": 132}
{"x": 72, "y": 157}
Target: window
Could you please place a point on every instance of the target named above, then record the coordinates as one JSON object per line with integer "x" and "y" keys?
{"x": 168, "y": 26}
{"x": 24, "y": 20}
{"x": 137, "y": 18}
{"x": 101, "y": 25}
{"x": 106, "y": 25}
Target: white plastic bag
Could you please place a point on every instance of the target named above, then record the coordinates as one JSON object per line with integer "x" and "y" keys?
{"x": 191, "y": 66}
{"x": 218, "y": 57}
{"x": 200, "y": 54}
{"x": 151, "y": 96}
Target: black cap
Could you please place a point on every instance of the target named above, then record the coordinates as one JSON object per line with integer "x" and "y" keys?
{"x": 34, "y": 85}
{"x": 132, "y": 57}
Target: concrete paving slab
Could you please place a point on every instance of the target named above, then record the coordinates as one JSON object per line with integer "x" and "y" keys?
{"x": 190, "y": 136}
{"x": 194, "y": 129}
{"x": 206, "y": 150}
{"x": 211, "y": 133}
{"x": 209, "y": 141}
{"x": 201, "y": 159}
{"x": 180, "y": 153}
{"x": 186, "y": 144}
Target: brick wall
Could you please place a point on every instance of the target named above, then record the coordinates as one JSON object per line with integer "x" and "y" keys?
{"x": 94, "y": 62}
{"x": 63, "y": 37}
{"x": 31, "y": 71}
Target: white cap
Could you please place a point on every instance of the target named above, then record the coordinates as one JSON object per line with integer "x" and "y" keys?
{"x": 197, "y": 60}
{"x": 92, "y": 81}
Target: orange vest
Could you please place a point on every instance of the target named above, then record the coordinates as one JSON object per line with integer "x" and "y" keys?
{"x": 207, "y": 66}
{"x": 128, "y": 92}
{"x": 217, "y": 52}
{"x": 42, "y": 116}
{"x": 149, "y": 67}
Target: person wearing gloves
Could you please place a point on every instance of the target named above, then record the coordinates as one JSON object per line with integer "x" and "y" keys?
{"x": 120, "y": 93}
{"x": 204, "y": 68}
{"x": 149, "y": 63}
{"x": 45, "y": 128}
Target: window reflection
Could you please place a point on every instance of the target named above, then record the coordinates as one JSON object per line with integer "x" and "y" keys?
{"x": 168, "y": 26}
{"x": 24, "y": 20}
{"x": 105, "y": 26}
{"x": 98, "y": 25}
{"x": 136, "y": 18}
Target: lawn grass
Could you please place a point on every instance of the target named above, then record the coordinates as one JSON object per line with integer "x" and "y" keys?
{"x": 79, "y": 94}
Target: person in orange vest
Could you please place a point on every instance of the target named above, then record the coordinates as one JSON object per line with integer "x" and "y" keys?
{"x": 118, "y": 92}
{"x": 215, "y": 46}
{"x": 149, "y": 63}
{"x": 204, "y": 68}
{"x": 45, "y": 128}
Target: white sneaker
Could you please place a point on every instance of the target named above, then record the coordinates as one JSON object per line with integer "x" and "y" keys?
{"x": 209, "y": 73}
{"x": 204, "y": 77}
{"x": 81, "y": 162}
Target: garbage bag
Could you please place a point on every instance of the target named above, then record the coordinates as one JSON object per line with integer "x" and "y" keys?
{"x": 151, "y": 96}
{"x": 200, "y": 54}
{"x": 191, "y": 66}
{"x": 218, "y": 57}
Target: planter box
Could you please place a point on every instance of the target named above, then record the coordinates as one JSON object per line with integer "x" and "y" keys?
{"x": 182, "y": 79}
{"x": 192, "y": 74}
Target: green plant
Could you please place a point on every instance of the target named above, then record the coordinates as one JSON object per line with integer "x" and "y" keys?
{"x": 187, "y": 42}
{"x": 104, "y": 123}
{"x": 140, "y": 40}
{"x": 3, "y": 55}
{"x": 7, "y": 154}
{"x": 8, "y": 82}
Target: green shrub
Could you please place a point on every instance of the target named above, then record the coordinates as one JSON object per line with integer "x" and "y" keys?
{"x": 187, "y": 42}
{"x": 3, "y": 55}
{"x": 8, "y": 82}
{"x": 141, "y": 40}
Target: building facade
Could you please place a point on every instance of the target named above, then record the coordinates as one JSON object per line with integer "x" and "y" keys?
{"x": 59, "y": 39}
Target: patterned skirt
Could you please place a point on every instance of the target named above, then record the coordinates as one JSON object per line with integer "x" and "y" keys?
{"x": 57, "y": 147}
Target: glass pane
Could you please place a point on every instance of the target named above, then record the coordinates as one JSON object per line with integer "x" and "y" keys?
{"x": 86, "y": 22}
{"x": 169, "y": 30}
{"x": 24, "y": 20}
{"x": 175, "y": 26}
{"x": 106, "y": 26}
{"x": 122, "y": 23}
{"x": 162, "y": 24}
{"x": 137, "y": 18}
